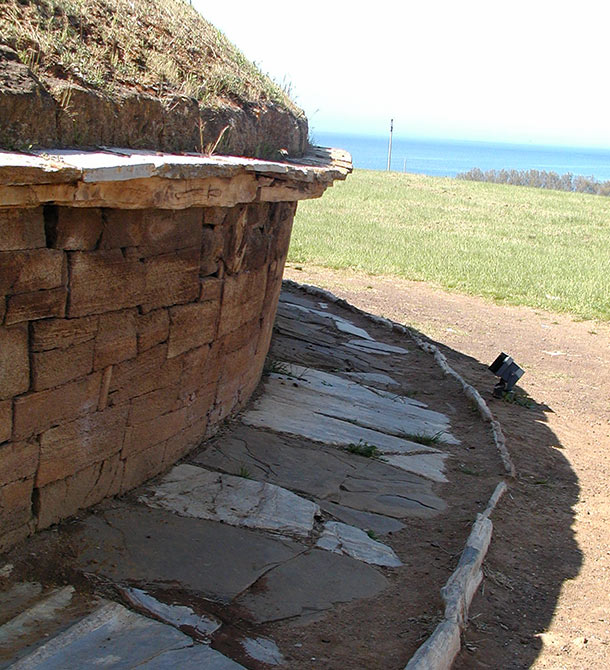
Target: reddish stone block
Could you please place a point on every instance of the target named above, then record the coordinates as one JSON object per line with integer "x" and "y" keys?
{"x": 145, "y": 435}
{"x": 214, "y": 216}
{"x": 19, "y": 461}
{"x": 12, "y": 537}
{"x": 99, "y": 279}
{"x": 6, "y": 420}
{"x": 76, "y": 228}
{"x": 15, "y": 504}
{"x": 181, "y": 444}
{"x": 248, "y": 333}
{"x": 116, "y": 339}
{"x": 148, "y": 372}
{"x": 2, "y": 308}
{"x": 153, "y": 231}
{"x": 142, "y": 466}
{"x": 151, "y": 405}
{"x": 195, "y": 371}
{"x": 200, "y": 403}
{"x": 214, "y": 240}
{"x": 152, "y": 329}
{"x": 14, "y": 361}
{"x": 35, "y": 270}
{"x": 21, "y": 229}
{"x": 192, "y": 326}
{"x": 73, "y": 446}
{"x": 171, "y": 279}
{"x": 63, "y": 498}
{"x": 242, "y": 299}
{"x": 63, "y": 333}
{"x": 59, "y": 366}
{"x": 210, "y": 289}
{"x": 36, "y": 412}
{"x": 36, "y": 305}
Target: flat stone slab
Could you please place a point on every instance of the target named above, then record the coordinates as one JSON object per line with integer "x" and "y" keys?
{"x": 335, "y": 410}
{"x": 139, "y": 546}
{"x": 310, "y": 584}
{"x": 376, "y": 347}
{"x": 193, "y": 491}
{"x": 178, "y": 616}
{"x": 113, "y": 636}
{"x": 378, "y": 523}
{"x": 325, "y": 473}
{"x": 350, "y": 541}
{"x": 264, "y": 650}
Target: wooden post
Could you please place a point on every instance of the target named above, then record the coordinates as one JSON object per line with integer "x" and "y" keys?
{"x": 390, "y": 146}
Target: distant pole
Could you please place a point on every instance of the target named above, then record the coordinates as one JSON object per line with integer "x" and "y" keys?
{"x": 390, "y": 146}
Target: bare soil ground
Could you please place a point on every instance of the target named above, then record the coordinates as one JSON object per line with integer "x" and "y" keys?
{"x": 545, "y": 602}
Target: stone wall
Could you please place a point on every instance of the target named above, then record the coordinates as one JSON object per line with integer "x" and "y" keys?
{"x": 126, "y": 336}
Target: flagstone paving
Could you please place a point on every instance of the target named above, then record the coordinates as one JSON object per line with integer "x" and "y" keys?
{"x": 284, "y": 516}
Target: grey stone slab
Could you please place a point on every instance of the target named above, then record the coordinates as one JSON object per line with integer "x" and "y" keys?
{"x": 317, "y": 471}
{"x": 312, "y": 315}
{"x": 115, "y": 637}
{"x": 193, "y": 491}
{"x": 431, "y": 466}
{"x": 372, "y": 378}
{"x": 179, "y": 616}
{"x": 376, "y": 347}
{"x": 378, "y": 523}
{"x": 331, "y": 409}
{"x": 35, "y": 617}
{"x": 138, "y": 545}
{"x": 341, "y": 538}
{"x": 323, "y": 472}
{"x": 17, "y": 599}
{"x": 264, "y": 650}
{"x": 310, "y": 584}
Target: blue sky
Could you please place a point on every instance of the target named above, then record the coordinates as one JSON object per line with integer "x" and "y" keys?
{"x": 532, "y": 71}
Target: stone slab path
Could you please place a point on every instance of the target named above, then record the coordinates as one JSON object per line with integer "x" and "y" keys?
{"x": 288, "y": 518}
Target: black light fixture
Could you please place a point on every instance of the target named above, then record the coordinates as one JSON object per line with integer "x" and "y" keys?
{"x": 509, "y": 373}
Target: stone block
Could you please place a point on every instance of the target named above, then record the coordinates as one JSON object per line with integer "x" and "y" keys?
{"x": 63, "y": 333}
{"x": 36, "y": 305}
{"x": 12, "y": 537}
{"x": 181, "y": 444}
{"x": 99, "y": 279}
{"x": 196, "y": 371}
{"x": 153, "y": 231}
{"x": 145, "y": 435}
{"x": 214, "y": 216}
{"x": 152, "y": 329}
{"x": 14, "y": 361}
{"x": 116, "y": 339}
{"x": 36, "y": 412}
{"x": 76, "y": 228}
{"x": 210, "y": 289}
{"x": 248, "y": 333}
{"x": 200, "y": 403}
{"x": 280, "y": 228}
{"x": 71, "y": 447}
{"x": 21, "y": 229}
{"x": 192, "y": 326}
{"x": 234, "y": 230}
{"x": 142, "y": 466}
{"x": 171, "y": 279}
{"x": 19, "y": 461}
{"x": 2, "y": 307}
{"x": 63, "y": 498}
{"x": 6, "y": 420}
{"x": 212, "y": 248}
{"x": 15, "y": 504}
{"x": 34, "y": 270}
{"x": 59, "y": 366}
{"x": 151, "y": 405}
{"x": 151, "y": 370}
{"x": 242, "y": 299}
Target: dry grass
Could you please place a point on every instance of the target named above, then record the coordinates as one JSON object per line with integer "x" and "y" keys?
{"x": 164, "y": 47}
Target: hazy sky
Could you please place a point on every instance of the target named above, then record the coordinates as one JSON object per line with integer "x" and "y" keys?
{"x": 527, "y": 71}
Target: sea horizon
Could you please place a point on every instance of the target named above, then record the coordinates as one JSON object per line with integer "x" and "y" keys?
{"x": 449, "y": 157}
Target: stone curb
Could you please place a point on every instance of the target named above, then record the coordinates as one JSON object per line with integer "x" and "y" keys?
{"x": 441, "y": 648}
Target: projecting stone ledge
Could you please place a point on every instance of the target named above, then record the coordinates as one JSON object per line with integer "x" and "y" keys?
{"x": 134, "y": 179}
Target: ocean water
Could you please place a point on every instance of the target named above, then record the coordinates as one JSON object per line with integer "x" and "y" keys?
{"x": 445, "y": 158}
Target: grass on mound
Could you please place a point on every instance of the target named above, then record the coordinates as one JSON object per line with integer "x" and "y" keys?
{"x": 517, "y": 245}
{"x": 164, "y": 47}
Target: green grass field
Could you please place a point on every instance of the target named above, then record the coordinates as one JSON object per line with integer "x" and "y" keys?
{"x": 525, "y": 246}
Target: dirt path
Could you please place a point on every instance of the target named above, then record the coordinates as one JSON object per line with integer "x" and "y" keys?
{"x": 545, "y": 602}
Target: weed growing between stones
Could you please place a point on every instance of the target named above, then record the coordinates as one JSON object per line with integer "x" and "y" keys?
{"x": 363, "y": 449}
{"x": 422, "y": 438}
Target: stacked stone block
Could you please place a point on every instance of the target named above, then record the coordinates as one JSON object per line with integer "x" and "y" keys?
{"x": 126, "y": 337}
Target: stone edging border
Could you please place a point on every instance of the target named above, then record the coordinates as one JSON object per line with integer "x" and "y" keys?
{"x": 441, "y": 648}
